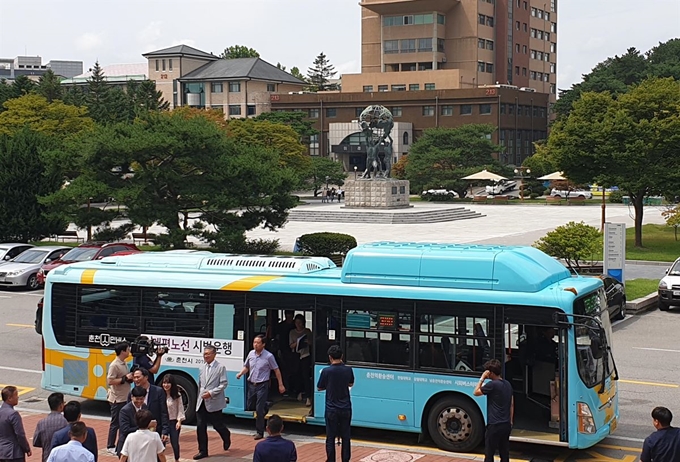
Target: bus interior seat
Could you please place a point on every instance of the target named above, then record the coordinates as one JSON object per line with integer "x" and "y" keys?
{"x": 359, "y": 349}
{"x": 446, "y": 349}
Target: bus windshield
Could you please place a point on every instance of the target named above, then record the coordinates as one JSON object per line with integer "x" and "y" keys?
{"x": 593, "y": 334}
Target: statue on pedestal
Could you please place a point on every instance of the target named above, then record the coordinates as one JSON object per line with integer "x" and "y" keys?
{"x": 376, "y": 124}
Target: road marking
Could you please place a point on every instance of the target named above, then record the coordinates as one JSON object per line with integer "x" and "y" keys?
{"x": 653, "y": 384}
{"x": 620, "y": 448}
{"x": 21, "y": 390}
{"x": 626, "y": 438}
{"x": 18, "y": 369}
{"x": 656, "y": 349}
{"x": 602, "y": 458}
{"x": 20, "y": 325}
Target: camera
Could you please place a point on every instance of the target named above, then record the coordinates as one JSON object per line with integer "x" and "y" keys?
{"x": 146, "y": 346}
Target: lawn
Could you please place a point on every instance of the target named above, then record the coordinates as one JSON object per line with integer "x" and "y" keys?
{"x": 636, "y": 288}
{"x": 658, "y": 241}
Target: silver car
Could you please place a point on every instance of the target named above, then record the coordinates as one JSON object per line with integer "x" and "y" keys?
{"x": 9, "y": 250}
{"x": 23, "y": 269}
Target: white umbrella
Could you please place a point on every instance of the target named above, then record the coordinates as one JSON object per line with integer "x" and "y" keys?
{"x": 555, "y": 176}
{"x": 484, "y": 175}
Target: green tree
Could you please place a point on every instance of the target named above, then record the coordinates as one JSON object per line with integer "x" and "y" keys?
{"x": 239, "y": 51}
{"x": 6, "y": 93}
{"x": 143, "y": 97}
{"x": 322, "y": 168}
{"x": 49, "y": 86}
{"x": 106, "y": 104}
{"x": 295, "y": 72}
{"x": 298, "y": 121}
{"x": 36, "y": 112}
{"x": 22, "y": 85}
{"x": 574, "y": 243}
{"x": 630, "y": 142}
{"x": 320, "y": 73}
{"x": 672, "y": 217}
{"x": 441, "y": 156}
{"x": 23, "y": 178}
{"x": 542, "y": 162}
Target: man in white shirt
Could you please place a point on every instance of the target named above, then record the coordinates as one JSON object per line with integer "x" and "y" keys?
{"x": 73, "y": 451}
{"x": 143, "y": 445}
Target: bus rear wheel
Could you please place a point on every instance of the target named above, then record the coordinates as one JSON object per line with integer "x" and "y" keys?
{"x": 189, "y": 394}
{"x": 455, "y": 424}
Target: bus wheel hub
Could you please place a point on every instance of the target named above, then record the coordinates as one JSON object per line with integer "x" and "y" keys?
{"x": 455, "y": 424}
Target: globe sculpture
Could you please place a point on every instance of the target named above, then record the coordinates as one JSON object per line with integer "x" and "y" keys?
{"x": 376, "y": 124}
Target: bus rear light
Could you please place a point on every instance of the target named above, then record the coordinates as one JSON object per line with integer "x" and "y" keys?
{"x": 586, "y": 423}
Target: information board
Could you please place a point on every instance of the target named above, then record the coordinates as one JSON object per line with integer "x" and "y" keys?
{"x": 615, "y": 250}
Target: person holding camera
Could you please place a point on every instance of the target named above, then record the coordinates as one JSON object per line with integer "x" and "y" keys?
{"x": 119, "y": 380}
{"x": 142, "y": 350}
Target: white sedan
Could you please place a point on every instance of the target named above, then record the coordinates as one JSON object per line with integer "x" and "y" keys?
{"x": 572, "y": 193}
{"x": 439, "y": 192}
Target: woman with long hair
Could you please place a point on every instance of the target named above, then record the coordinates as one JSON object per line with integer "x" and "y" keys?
{"x": 175, "y": 411}
{"x": 300, "y": 340}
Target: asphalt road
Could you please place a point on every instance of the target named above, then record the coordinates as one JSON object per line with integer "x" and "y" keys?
{"x": 645, "y": 350}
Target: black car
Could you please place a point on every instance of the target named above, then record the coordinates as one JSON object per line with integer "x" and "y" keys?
{"x": 616, "y": 297}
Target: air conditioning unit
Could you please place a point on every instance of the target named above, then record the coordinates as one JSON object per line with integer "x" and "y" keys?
{"x": 532, "y": 90}
{"x": 444, "y": 59}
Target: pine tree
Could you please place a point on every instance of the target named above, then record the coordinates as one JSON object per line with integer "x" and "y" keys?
{"x": 320, "y": 73}
{"x": 49, "y": 86}
{"x": 97, "y": 95}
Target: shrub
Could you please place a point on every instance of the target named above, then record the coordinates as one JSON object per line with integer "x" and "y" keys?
{"x": 616, "y": 197}
{"x": 573, "y": 243}
{"x": 260, "y": 246}
{"x": 108, "y": 234}
{"x": 534, "y": 195}
{"x": 326, "y": 244}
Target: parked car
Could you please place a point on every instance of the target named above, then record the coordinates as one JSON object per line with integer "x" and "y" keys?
{"x": 501, "y": 186}
{"x": 564, "y": 194}
{"x": 10, "y": 250}
{"x": 616, "y": 297}
{"x": 86, "y": 252}
{"x": 23, "y": 269}
{"x": 669, "y": 287}
{"x": 440, "y": 192}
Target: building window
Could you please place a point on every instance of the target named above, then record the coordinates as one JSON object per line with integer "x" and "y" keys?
{"x": 553, "y": 5}
{"x": 441, "y": 19}
{"x": 517, "y": 47}
{"x": 503, "y": 108}
{"x": 524, "y": 49}
{"x": 526, "y": 27}
{"x": 399, "y": 87}
{"x": 314, "y": 144}
{"x": 215, "y": 87}
{"x": 527, "y": 111}
{"x": 251, "y": 110}
{"x": 358, "y": 111}
{"x": 413, "y": 87}
{"x": 553, "y": 27}
{"x": 481, "y": 43}
{"x": 532, "y": 75}
{"x": 533, "y": 54}
{"x": 466, "y": 109}
{"x": 524, "y": 71}
{"x": 481, "y": 65}
{"x": 489, "y": 44}
{"x": 391, "y": 46}
{"x": 440, "y": 45}
{"x": 525, "y": 5}
{"x": 314, "y": 113}
{"x": 368, "y": 88}
{"x": 234, "y": 87}
{"x": 429, "y": 86}
{"x": 408, "y": 46}
{"x": 331, "y": 112}
{"x": 163, "y": 64}
{"x": 489, "y": 68}
{"x": 511, "y": 109}
{"x": 170, "y": 64}
{"x": 156, "y": 65}
{"x": 546, "y": 16}
{"x": 489, "y": 21}
{"x": 393, "y": 21}
{"x": 518, "y": 25}
{"x": 396, "y": 111}
{"x": 447, "y": 110}
{"x": 428, "y": 111}
{"x": 516, "y": 70}
{"x": 217, "y": 107}
{"x": 485, "y": 109}
{"x": 404, "y": 139}
{"x": 234, "y": 109}
{"x": 482, "y": 19}
{"x": 271, "y": 87}
{"x": 424, "y": 44}
{"x": 553, "y": 88}
{"x": 552, "y": 68}
{"x": 382, "y": 87}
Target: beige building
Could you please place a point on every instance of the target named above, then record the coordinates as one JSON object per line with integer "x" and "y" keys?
{"x": 238, "y": 87}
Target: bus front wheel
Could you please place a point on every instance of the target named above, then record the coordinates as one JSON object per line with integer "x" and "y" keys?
{"x": 189, "y": 395}
{"x": 455, "y": 424}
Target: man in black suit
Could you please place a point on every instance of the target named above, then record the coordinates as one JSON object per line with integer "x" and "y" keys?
{"x": 155, "y": 402}
{"x": 72, "y": 415}
{"x": 127, "y": 423}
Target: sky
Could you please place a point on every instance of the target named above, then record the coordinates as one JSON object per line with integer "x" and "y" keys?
{"x": 292, "y": 32}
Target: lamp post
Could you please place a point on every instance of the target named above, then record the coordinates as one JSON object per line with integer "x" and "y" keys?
{"x": 355, "y": 172}
{"x": 521, "y": 171}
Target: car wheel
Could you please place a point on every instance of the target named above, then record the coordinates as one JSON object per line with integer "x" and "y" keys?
{"x": 622, "y": 311}
{"x": 33, "y": 282}
{"x": 663, "y": 306}
{"x": 455, "y": 424}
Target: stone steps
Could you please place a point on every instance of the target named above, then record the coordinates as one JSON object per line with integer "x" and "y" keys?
{"x": 382, "y": 217}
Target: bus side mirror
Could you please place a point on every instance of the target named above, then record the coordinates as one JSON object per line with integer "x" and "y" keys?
{"x": 596, "y": 347}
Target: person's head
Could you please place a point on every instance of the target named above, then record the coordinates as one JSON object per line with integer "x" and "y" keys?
{"x": 335, "y": 353}
{"x": 141, "y": 377}
{"x": 259, "y": 342}
{"x": 274, "y": 425}
{"x": 72, "y": 411}
{"x": 56, "y": 402}
{"x": 138, "y": 395}
{"x": 209, "y": 353}
{"x": 122, "y": 350}
{"x": 290, "y": 313}
{"x": 661, "y": 417}
{"x": 143, "y": 419}
{"x": 78, "y": 432}
{"x": 494, "y": 368}
{"x": 299, "y": 322}
{"x": 10, "y": 395}
{"x": 170, "y": 386}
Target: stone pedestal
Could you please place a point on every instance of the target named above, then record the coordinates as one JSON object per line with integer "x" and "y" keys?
{"x": 383, "y": 194}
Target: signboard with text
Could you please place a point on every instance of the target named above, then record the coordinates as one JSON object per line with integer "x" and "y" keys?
{"x": 615, "y": 250}
{"x": 188, "y": 351}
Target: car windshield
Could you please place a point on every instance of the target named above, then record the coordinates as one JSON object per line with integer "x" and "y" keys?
{"x": 81, "y": 254}
{"x": 591, "y": 335}
{"x": 31, "y": 256}
{"x": 675, "y": 270}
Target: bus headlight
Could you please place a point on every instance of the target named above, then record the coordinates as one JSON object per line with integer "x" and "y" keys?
{"x": 586, "y": 423}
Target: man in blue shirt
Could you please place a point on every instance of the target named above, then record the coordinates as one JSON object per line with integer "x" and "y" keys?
{"x": 259, "y": 365}
{"x": 73, "y": 451}
{"x": 664, "y": 444}
{"x": 500, "y": 409}
{"x": 336, "y": 380}
{"x": 61, "y": 437}
{"x": 275, "y": 448}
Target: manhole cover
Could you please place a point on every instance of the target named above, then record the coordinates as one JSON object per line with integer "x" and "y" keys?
{"x": 385, "y": 455}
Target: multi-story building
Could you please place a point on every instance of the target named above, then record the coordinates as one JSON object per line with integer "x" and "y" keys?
{"x": 32, "y": 67}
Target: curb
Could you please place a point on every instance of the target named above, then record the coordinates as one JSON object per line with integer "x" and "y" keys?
{"x": 642, "y": 304}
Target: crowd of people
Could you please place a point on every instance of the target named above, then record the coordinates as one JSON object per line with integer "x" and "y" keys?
{"x": 331, "y": 194}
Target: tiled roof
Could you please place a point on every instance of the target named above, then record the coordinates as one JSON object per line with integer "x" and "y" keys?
{"x": 241, "y": 68}
{"x": 184, "y": 50}
{"x": 120, "y": 70}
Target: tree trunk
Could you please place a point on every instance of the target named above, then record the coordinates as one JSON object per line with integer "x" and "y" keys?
{"x": 638, "y": 203}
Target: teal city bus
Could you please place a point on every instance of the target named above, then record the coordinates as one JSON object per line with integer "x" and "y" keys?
{"x": 416, "y": 321}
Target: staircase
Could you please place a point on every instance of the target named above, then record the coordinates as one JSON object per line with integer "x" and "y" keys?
{"x": 383, "y": 217}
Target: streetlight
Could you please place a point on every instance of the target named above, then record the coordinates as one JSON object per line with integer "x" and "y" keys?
{"x": 521, "y": 171}
{"x": 327, "y": 178}
{"x": 355, "y": 172}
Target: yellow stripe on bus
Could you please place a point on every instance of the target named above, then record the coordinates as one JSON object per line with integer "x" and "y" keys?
{"x": 248, "y": 283}
{"x": 87, "y": 277}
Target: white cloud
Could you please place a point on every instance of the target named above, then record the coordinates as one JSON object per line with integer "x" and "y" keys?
{"x": 349, "y": 67}
{"x": 151, "y": 33}
{"x": 89, "y": 41}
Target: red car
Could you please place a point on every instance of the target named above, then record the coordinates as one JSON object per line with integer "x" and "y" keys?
{"x": 86, "y": 252}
